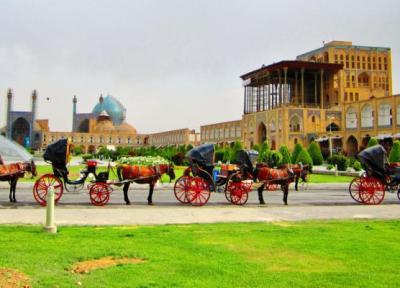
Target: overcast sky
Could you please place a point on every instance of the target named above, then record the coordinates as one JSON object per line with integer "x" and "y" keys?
{"x": 173, "y": 64}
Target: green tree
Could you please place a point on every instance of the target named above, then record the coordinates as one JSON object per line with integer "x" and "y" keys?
{"x": 286, "y": 158}
{"x": 394, "y": 155}
{"x": 274, "y": 158}
{"x": 315, "y": 152}
{"x": 296, "y": 151}
{"x": 264, "y": 152}
{"x": 304, "y": 157}
{"x": 372, "y": 142}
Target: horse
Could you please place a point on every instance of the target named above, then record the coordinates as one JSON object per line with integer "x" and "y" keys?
{"x": 12, "y": 172}
{"x": 143, "y": 175}
{"x": 300, "y": 171}
{"x": 280, "y": 176}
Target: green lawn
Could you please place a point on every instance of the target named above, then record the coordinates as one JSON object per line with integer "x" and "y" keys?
{"x": 74, "y": 173}
{"x": 304, "y": 254}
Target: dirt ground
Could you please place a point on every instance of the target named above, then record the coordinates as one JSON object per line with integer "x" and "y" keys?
{"x": 10, "y": 278}
{"x": 87, "y": 266}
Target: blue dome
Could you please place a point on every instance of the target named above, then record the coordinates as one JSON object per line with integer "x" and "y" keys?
{"x": 113, "y": 108}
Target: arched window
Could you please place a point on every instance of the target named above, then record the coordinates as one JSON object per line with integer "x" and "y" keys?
{"x": 385, "y": 115}
{"x": 351, "y": 118}
{"x": 363, "y": 80}
{"x": 367, "y": 117}
{"x": 295, "y": 124}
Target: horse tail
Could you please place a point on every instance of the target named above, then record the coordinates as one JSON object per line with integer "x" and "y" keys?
{"x": 119, "y": 168}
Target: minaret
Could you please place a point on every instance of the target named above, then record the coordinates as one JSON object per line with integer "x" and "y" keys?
{"x": 33, "y": 120}
{"x": 9, "y": 107}
{"x": 74, "y": 101}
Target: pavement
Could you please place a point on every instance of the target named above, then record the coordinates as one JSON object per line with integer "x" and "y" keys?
{"x": 312, "y": 202}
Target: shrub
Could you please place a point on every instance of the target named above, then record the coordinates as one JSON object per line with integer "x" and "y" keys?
{"x": 77, "y": 151}
{"x": 286, "y": 159}
{"x": 264, "y": 152}
{"x": 394, "y": 155}
{"x": 340, "y": 160}
{"x": 274, "y": 158}
{"x": 329, "y": 167}
{"x": 86, "y": 157}
{"x": 296, "y": 151}
{"x": 372, "y": 142}
{"x": 315, "y": 152}
{"x": 304, "y": 157}
{"x": 357, "y": 166}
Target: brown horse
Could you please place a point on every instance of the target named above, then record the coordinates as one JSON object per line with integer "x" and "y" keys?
{"x": 300, "y": 171}
{"x": 280, "y": 176}
{"x": 12, "y": 172}
{"x": 143, "y": 175}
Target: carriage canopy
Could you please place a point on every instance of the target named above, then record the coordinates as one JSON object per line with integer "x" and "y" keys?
{"x": 247, "y": 157}
{"x": 57, "y": 152}
{"x": 11, "y": 152}
{"x": 374, "y": 160}
{"x": 202, "y": 154}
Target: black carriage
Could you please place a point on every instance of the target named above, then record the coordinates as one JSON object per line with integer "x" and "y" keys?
{"x": 196, "y": 183}
{"x": 379, "y": 177}
{"x": 57, "y": 154}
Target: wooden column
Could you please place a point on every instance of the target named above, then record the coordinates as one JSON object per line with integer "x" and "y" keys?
{"x": 285, "y": 90}
{"x": 302, "y": 87}
{"x": 315, "y": 88}
{"x": 296, "y": 100}
{"x": 279, "y": 89}
{"x": 322, "y": 88}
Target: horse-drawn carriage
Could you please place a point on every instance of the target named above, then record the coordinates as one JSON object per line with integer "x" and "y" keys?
{"x": 57, "y": 154}
{"x": 379, "y": 176}
{"x": 100, "y": 188}
{"x": 196, "y": 184}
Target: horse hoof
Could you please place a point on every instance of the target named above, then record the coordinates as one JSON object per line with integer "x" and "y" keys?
{"x": 128, "y": 203}
{"x": 262, "y": 203}
{"x": 150, "y": 203}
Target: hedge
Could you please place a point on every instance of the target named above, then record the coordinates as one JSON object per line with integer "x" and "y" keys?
{"x": 296, "y": 151}
{"x": 315, "y": 153}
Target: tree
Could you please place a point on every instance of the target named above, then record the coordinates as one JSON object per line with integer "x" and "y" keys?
{"x": 274, "y": 158}
{"x": 372, "y": 142}
{"x": 296, "y": 151}
{"x": 264, "y": 152}
{"x": 286, "y": 159}
{"x": 304, "y": 157}
{"x": 315, "y": 152}
{"x": 394, "y": 155}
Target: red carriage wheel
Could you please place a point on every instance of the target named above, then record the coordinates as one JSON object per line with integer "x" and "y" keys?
{"x": 99, "y": 194}
{"x": 238, "y": 192}
{"x": 354, "y": 189}
{"x": 42, "y": 186}
{"x": 199, "y": 191}
{"x": 372, "y": 191}
{"x": 181, "y": 188}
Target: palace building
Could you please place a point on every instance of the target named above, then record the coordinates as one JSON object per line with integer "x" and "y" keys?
{"x": 339, "y": 92}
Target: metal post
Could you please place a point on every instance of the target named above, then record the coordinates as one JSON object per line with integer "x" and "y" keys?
{"x": 50, "y": 226}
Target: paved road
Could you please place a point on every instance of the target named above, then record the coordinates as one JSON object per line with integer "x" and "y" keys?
{"x": 324, "y": 201}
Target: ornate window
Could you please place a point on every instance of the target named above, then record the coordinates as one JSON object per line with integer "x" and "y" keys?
{"x": 367, "y": 117}
{"x": 351, "y": 118}
{"x": 385, "y": 115}
{"x": 295, "y": 124}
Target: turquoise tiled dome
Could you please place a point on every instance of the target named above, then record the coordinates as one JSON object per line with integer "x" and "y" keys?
{"x": 113, "y": 108}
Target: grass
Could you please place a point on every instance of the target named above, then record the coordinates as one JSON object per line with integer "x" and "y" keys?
{"x": 320, "y": 178}
{"x": 302, "y": 254}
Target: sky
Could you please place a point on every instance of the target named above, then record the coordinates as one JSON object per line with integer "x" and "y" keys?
{"x": 173, "y": 64}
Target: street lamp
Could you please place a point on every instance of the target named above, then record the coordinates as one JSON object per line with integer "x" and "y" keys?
{"x": 331, "y": 118}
